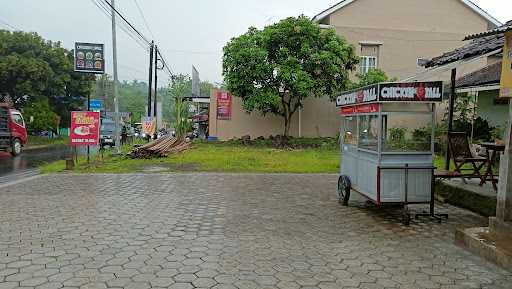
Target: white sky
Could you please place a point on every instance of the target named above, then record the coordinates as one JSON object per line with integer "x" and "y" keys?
{"x": 189, "y": 32}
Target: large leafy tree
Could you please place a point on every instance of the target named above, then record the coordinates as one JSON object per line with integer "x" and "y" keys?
{"x": 273, "y": 70}
{"x": 33, "y": 69}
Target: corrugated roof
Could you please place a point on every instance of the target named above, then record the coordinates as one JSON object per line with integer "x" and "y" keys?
{"x": 499, "y": 30}
{"x": 488, "y": 75}
{"x": 476, "y": 47}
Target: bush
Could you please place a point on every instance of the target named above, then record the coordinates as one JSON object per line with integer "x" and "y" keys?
{"x": 481, "y": 128}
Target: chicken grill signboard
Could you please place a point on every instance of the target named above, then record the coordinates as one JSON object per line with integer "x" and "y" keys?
{"x": 85, "y": 128}
{"x": 89, "y": 58}
{"x": 393, "y": 92}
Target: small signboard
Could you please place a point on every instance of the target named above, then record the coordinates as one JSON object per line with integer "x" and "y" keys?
{"x": 224, "y": 105}
{"x": 96, "y": 104}
{"x": 89, "y": 58}
{"x": 148, "y": 126}
{"x": 85, "y": 128}
{"x": 506, "y": 70}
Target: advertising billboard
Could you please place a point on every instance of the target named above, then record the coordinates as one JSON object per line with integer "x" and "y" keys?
{"x": 85, "y": 128}
{"x": 89, "y": 58}
{"x": 224, "y": 105}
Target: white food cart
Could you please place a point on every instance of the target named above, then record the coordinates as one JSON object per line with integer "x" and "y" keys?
{"x": 387, "y": 143}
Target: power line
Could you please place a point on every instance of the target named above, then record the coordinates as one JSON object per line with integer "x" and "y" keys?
{"x": 127, "y": 22}
{"x": 144, "y": 19}
{"x": 103, "y": 8}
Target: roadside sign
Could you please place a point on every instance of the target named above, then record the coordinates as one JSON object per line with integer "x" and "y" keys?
{"x": 224, "y": 105}
{"x": 85, "y": 128}
{"x": 89, "y": 58}
{"x": 148, "y": 125}
{"x": 96, "y": 104}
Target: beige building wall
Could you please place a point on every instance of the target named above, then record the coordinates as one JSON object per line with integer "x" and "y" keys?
{"x": 405, "y": 30}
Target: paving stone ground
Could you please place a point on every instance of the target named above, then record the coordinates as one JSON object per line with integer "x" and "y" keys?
{"x": 223, "y": 231}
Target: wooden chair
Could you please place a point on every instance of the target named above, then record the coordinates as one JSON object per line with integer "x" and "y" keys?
{"x": 461, "y": 154}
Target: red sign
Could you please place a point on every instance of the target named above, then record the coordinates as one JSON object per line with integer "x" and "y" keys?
{"x": 224, "y": 105}
{"x": 85, "y": 128}
{"x": 366, "y": 108}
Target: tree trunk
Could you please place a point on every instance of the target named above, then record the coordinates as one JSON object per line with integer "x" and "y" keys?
{"x": 286, "y": 126}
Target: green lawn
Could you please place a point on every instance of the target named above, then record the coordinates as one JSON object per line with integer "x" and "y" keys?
{"x": 35, "y": 141}
{"x": 217, "y": 157}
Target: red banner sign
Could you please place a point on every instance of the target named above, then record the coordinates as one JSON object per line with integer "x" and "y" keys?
{"x": 367, "y": 108}
{"x": 85, "y": 128}
{"x": 224, "y": 105}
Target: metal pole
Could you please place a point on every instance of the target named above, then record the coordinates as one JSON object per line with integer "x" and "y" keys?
{"x": 156, "y": 93}
{"x": 150, "y": 78}
{"x": 114, "y": 59}
{"x": 450, "y": 115}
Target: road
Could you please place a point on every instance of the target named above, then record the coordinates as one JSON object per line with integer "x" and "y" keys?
{"x": 25, "y": 165}
{"x": 224, "y": 231}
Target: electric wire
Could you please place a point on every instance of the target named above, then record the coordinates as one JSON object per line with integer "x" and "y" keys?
{"x": 144, "y": 19}
{"x": 127, "y": 22}
{"x": 12, "y": 27}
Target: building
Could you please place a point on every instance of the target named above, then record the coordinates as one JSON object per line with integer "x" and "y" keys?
{"x": 397, "y": 36}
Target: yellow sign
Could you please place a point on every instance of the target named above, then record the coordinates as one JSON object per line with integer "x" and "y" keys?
{"x": 506, "y": 70}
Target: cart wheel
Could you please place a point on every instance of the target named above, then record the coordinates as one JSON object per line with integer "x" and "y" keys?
{"x": 344, "y": 186}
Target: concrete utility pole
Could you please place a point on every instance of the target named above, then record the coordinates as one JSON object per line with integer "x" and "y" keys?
{"x": 114, "y": 59}
{"x": 150, "y": 77}
{"x": 155, "y": 104}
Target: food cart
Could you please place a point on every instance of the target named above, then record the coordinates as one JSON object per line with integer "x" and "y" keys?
{"x": 387, "y": 143}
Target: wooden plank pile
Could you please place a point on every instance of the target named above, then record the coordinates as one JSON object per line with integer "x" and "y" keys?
{"x": 161, "y": 147}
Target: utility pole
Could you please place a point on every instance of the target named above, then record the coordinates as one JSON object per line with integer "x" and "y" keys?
{"x": 150, "y": 78}
{"x": 156, "y": 93}
{"x": 114, "y": 59}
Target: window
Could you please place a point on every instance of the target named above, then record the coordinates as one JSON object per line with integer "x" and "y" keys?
{"x": 17, "y": 118}
{"x": 350, "y": 130}
{"x": 367, "y": 63}
{"x": 368, "y": 132}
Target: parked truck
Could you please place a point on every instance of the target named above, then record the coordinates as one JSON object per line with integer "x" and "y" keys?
{"x": 13, "y": 133}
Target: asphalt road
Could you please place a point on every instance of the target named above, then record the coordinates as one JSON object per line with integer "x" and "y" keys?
{"x": 25, "y": 165}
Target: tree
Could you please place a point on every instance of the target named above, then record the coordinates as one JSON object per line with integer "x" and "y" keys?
{"x": 181, "y": 88}
{"x": 373, "y": 76}
{"x": 40, "y": 117}
{"x": 273, "y": 70}
{"x": 33, "y": 69}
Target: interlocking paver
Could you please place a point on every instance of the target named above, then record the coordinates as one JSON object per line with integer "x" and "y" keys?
{"x": 223, "y": 231}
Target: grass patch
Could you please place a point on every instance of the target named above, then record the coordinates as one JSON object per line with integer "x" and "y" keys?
{"x": 44, "y": 141}
{"x": 217, "y": 157}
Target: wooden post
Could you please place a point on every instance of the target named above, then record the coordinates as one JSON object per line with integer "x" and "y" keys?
{"x": 450, "y": 115}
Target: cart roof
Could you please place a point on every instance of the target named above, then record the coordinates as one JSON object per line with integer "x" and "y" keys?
{"x": 412, "y": 92}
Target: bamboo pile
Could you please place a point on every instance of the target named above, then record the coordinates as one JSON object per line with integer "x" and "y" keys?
{"x": 161, "y": 147}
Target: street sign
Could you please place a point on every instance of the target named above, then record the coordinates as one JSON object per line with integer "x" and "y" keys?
{"x": 85, "y": 128}
{"x": 89, "y": 58}
{"x": 96, "y": 104}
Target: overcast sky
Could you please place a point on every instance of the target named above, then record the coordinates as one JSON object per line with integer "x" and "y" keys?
{"x": 190, "y": 32}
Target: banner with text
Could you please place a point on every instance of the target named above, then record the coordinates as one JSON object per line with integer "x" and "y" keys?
{"x": 224, "y": 105}
{"x": 85, "y": 128}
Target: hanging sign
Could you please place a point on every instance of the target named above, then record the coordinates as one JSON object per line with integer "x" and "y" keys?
{"x": 224, "y": 105}
{"x": 506, "y": 70}
{"x": 393, "y": 92}
{"x": 89, "y": 58}
{"x": 85, "y": 128}
{"x": 411, "y": 92}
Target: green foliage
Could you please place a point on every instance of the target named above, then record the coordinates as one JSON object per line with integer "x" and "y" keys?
{"x": 273, "y": 70}
{"x": 372, "y": 77}
{"x": 44, "y": 119}
{"x": 33, "y": 69}
{"x": 481, "y": 128}
{"x": 498, "y": 133}
{"x": 181, "y": 87}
